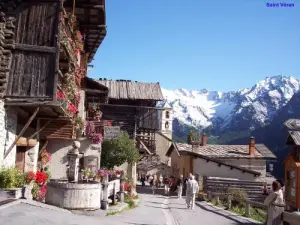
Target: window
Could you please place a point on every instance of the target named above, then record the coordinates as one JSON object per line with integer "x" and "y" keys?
{"x": 167, "y": 114}
{"x": 167, "y": 125}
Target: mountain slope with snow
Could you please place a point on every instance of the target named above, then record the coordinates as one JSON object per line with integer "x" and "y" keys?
{"x": 245, "y": 109}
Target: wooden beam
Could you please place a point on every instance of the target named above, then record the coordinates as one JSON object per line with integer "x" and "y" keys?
{"x": 19, "y": 103}
{"x": 94, "y": 91}
{"x": 23, "y": 141}
{"x": 45, "y": 145}
{"x": 42, "y": 128}
{"x": 85, "y": 6}
{"x": 145, "y": 147}
{"x": 22, "y": 132}
{"x": 35, "y": 48}
{"x": 93, "y": 26}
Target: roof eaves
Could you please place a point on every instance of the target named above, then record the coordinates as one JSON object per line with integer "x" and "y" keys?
{"x": 171, "y": 149}
{"x": 222, "y": 163}
{"x": 164, "y": 136}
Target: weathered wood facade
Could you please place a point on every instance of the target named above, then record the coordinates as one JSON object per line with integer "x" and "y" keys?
{"x": 132, "y": 106}
{"x": 33, "y": 70}
{"x": 45, "y": 48}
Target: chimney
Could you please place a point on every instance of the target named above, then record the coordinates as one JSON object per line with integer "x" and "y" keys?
{"x": 251, "y": 146}
{"x": 203, "y": 140}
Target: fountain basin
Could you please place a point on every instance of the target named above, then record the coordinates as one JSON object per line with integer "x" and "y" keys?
{"x": 69, "y": 195}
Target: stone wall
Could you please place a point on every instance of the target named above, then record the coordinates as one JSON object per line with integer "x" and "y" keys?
{"x": 254, "y": 164}
{"x": 8, "y": 129}
{"x": 6, "y": 44}
{"x": 163, "y": 144}
{"x": 31, "y": 158}
{"x": 59, "y": 150}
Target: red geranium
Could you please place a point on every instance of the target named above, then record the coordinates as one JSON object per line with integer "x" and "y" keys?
{"x": 118, "y": 172}
{"x": 30, "y": 177}
{"x": 72, "y": 108}
{"x": 108, "y": 123}
{"x": 60, "y": 95}
{"x": 41, "y": 177}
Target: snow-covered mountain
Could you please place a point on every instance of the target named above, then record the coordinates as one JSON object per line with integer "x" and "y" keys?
{"x": 244, "y": 109}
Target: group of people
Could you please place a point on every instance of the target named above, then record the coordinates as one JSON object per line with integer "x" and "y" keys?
{"x": 171, "y": 184}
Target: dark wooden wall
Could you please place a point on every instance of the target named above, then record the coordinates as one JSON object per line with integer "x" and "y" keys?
{"x": 34, "y": 63}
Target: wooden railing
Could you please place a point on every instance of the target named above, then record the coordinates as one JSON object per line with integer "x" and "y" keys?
{"x": 290, "y": 218}
{"x": 221, "y": 185}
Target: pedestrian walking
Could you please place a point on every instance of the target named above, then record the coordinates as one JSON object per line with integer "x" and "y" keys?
{"x": 191, "y": 190}
{"x": 143, "y": 179}
{"x": 167, "y": 185}
{"x": 154, "y": 184}
{"x": 161, "y": 180}
{"x": 275, "y": 204}
{"x": 180, "y": 186}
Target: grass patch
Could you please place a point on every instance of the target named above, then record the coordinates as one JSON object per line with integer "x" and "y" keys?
{"x": 257, "y": 214}
{"x": 112, "y": 213}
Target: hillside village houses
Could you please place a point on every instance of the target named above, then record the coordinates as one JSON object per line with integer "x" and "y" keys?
{"x": 243, "y": 162}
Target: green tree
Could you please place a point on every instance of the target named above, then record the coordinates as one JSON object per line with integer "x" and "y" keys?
{"x": 192, "y": 136}
{"x": 116, "y": 152}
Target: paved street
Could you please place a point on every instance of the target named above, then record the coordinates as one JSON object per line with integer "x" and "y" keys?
{"x": 153, "y": 210}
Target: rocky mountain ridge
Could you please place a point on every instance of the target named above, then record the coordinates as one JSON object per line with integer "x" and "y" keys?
{"x": 246, "y": 109}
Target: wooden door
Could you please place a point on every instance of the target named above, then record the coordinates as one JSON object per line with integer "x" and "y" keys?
{"x": 20, "y": 158}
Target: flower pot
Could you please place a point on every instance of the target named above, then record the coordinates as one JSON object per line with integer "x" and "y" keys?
{"x": 27, "y": 191}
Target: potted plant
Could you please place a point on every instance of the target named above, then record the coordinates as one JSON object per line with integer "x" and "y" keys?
{"x": 118, "y": 173}
{"x": 86, "y": 174}
{"x": 39, "y": 186}
{"x": 11, "y": 181}
{"x": 28, "y": 185}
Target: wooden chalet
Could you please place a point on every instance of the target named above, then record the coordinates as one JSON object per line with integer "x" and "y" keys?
{"x": 132, "y": 106}
{"x": 45, "y": 48}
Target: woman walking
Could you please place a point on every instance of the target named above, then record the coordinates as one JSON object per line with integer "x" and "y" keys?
{"x": 154, "y": 184}
{"x": 275, "y": 203}
{"x": 179, "y": 186}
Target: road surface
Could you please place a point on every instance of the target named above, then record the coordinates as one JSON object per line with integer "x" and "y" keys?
{"x": 153, "y": 210}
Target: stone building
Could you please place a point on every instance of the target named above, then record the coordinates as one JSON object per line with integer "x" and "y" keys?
{"x": 245, "y": 162}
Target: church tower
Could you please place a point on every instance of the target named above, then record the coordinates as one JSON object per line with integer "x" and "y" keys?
{"x": 165, "y": 120}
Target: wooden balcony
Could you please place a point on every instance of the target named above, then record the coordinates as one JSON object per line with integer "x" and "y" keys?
{"x": 57, "y": 129}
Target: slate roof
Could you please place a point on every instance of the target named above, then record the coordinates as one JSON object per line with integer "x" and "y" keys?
{"x": 226, "y": 151}
{"x": 295, "y": 136}
{"x": 127, "y": 89}
{"x": 210, "y": 159}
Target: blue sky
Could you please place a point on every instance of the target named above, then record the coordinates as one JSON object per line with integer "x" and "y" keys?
{"x": 194, "y": 44}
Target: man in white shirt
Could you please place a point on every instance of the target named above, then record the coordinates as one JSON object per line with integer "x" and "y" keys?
{"x": 191, "y": 191}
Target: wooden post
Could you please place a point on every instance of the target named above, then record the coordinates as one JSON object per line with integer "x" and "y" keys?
{"x": 114, "y": 194}
{"x": 73, "y": 8}
{"x": 209, "y": 196}
{"x": 22, "y": 132}
{"x": 40, "y": 129}
{"x": 247, "y": 212}
{"x": 218, "y": 200}
{"x": 122, "y": 193}
{"x": 229, "y": 200}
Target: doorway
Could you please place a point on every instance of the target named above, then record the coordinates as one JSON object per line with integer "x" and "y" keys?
{"x": 20, "y": 158}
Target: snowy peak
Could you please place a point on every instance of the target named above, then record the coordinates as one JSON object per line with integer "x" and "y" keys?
{"x": 244, "y": 108}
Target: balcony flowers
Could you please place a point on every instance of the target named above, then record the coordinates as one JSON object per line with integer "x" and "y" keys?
{"x": 90, "y": 132}
{"x": 45, "y": 158}
{"x": 60, "y": 95}
{"x": 96, "y": 138}
{"x": 72, "y": 108}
